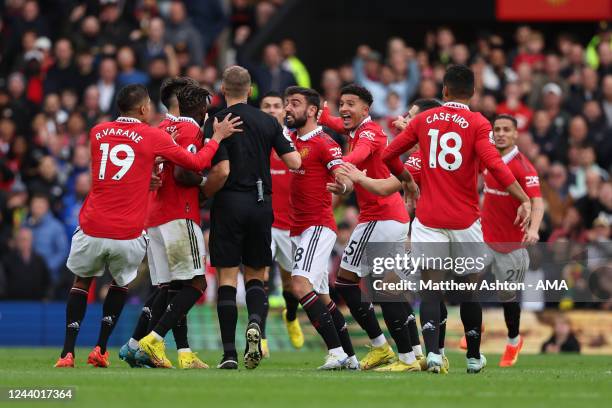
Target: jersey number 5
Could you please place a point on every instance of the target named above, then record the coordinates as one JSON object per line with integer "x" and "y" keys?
{"x": 436, "y": 158}
{"x": 124, "y": 163}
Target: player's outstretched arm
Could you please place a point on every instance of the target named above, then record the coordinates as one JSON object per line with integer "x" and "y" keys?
{"x": 381, "y": 187}
{"x": 401, "y": 144}
{"x": 187, "y": 178}
{"x": 293, "y": 160}
{"x": 332, "y": 122}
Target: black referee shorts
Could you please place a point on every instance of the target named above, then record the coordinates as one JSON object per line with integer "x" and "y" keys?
{"x": 240, "y": 230}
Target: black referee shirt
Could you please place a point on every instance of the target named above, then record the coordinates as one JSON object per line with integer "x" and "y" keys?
{"x": 249, "y": 151}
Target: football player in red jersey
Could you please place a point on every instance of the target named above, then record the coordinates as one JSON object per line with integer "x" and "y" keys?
{"x": 112, "y": 218}
{"x": 507, "y": 241}
{"x": 381, "y": 219}
{"x": 156, "y": 303}
{"x": 313, "y": 228}
{"x": 174, "y": 221}
{"x": 272, "y": 103}
{"x": 453, "y": 141}
{"x": 391, "y": 185}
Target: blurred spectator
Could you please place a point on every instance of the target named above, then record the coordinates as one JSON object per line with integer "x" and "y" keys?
{"x": 586, "y": 90}
{"x": 50, "y": 240}
{"x": 63, "y": 72}
{"x": 86, "y": 74}
{"x": 270, "y": 75}
{"x": 26, "y": 273}
{"x": 572, "y": 228}
{"x": 128, "y": 71}
{"x": 74, "y": 201}
{"x": 513, "y": 106}
{"x": 563, "y": 339}
{"x": 47, "y": 182}
{"x": 181, "y": 33}
{"x": 114, "y": 28}
{"x": 606, "y": 86}
{"x": 19, "y": 109}
{"x": 293, "y": 64}
{"x": 107, "y": 85}
{"x": 531, "y": 53}
{"x": 496, "y": 73}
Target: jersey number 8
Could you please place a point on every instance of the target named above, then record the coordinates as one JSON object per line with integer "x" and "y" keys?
{"x": 436, "y": 158}
{"x": 124, "y": 163}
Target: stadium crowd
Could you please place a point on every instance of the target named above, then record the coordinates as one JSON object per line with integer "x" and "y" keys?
{"x": 60, "y": 70}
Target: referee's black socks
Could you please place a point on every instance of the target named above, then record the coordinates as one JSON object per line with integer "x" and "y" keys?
{"x": 228, "y": 316}
{"x": 256, "y": 300}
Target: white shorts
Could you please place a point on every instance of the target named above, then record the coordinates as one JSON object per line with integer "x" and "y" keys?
{"x": 510, "y": 267}
{"x": 176, "y": 251}
{"x": 387, "y": 231}
{"x": 441, "y": 244}
{"x": 89, "y": 256}
{"x": 311, "y": 252}
{"x": 281, "y": 248}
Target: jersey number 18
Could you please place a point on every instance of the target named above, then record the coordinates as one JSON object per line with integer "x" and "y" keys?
{"x": 436, "y": 158}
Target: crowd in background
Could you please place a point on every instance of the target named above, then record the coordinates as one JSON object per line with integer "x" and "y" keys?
{"x": 60, "y": 70}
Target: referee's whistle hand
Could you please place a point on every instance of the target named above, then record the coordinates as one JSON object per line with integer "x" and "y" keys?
{"x": 227, "y": 127}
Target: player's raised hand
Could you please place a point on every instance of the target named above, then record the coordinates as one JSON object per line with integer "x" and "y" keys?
{"x": 321, "y": 111}
{"x": 400, "y": 123}
{"x": 350, "y": 171}
{"x": 227, "y": 127}
{"x": 522, "y": 215}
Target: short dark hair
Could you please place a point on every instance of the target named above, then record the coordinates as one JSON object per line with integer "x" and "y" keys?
{"x": 359, "y": 91}
{"x": 192, "y": 99}
{"x": 171, "y": 86}
{"x": 507, "y": 117}
{"x": 459, "y": 80}
{"x": 272, "y": 94}
{"x": 130, "y": 96}
{"x": 312, "y": 97}
{"x": 426, "y": 104}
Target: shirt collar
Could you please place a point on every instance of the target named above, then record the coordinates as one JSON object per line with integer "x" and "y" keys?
{"x": 311, "y": 134}
{"x": 125, "y": 119}
{"x": 187, "y": 119}
{"x": 510, "y": 155}
{"x": 171, "y": 117}
{"x": 363, "y": 122}
{"x": 457, "y": 105}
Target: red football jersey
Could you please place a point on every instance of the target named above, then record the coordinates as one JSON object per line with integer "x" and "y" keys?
{"x": 366, "y": 145}
{"x": 173, "y": 201}
{"x": 122, "y": 157}
{"x": 168, "y": 123}
{"x": 499, "y": 208}
{"x": 281, "y": 190}
{"x": 453, "y": 140}
{"x": 413, "y": 165}
{"x": 311, "y": 202}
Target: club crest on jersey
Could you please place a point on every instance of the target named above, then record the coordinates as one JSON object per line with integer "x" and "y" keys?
{"x": 531, "y": 181}
{"x": 414, "y": 162}
{"x": 366, "y": 134}
{"x": 304, "y": 152}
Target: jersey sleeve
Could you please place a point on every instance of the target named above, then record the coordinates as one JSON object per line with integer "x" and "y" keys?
{"x": 489, "y": 156}
{"x": 413, "y": 165}
{"x": 530, "y": 182}
{"x": 402, "y": 143}
{"x": 281, "y": 142}
{"x": 167, "y": 148}
{"x": 330, "y": 154}
{"x": 365, "y": 146}
{"x": 189, "y": 139}
{"x": 331, "y": 122}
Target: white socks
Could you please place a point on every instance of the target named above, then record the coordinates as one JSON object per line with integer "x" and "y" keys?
{"x": 514, "y": 341}
{"x": 157, "y": 336}
{"x": 442, "y": 351}
{"x": 184, "y": 350}
{"x": 407, "y": 358}
{"x": 418, "y": 351}
{"x": 379, "y": 341}
{"x": 337, "y": 352}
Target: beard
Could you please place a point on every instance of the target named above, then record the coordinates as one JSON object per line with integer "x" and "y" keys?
{"x": 296, "y": 123}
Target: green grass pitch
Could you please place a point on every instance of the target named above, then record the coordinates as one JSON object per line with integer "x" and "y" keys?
{"x": 289, "y": 380}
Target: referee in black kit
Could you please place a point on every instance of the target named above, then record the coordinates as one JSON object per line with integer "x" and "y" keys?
{"x": 241, "y": 213}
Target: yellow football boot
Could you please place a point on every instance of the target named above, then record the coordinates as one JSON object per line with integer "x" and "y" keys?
{"x": 155, "y": 350}
{"x": 296, "y": 337}
{"x": 377, "y": 356}
{"x": 189, "y": 359}
{"x": 400, "y": 366}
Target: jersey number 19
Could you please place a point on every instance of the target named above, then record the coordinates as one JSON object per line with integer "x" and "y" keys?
{"x": 124, "y": 163}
